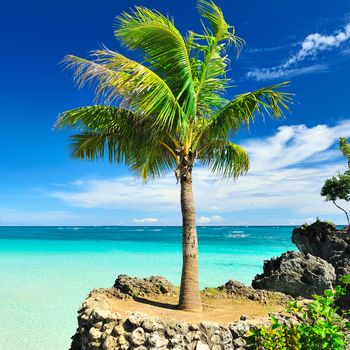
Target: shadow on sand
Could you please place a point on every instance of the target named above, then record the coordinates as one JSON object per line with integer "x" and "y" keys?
{"x": 155, "y": 303}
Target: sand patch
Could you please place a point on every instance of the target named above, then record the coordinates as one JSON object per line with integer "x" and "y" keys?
{"x": 222, "y": 310}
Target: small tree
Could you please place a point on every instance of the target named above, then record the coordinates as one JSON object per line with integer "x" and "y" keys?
{"x": 338, "y": 187}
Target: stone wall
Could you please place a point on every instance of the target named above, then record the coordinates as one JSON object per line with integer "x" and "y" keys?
{"x": 99, "y": 328}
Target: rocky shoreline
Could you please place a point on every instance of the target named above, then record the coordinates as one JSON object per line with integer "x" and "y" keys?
{"x": 323, "y": 258}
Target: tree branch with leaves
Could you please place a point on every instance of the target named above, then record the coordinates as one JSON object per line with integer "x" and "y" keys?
{"x": 338, "y": 187}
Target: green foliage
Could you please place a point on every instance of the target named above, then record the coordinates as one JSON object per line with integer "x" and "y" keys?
{"x": 212, "y": 292}
{"x": 277, "y": 337}
{"x": 173, "y": 100}
{"x": 337, "y": 187}
{"x": 332, "y": 224}
{"x": 319, "y": 327}
{"x": 345, "y": 149}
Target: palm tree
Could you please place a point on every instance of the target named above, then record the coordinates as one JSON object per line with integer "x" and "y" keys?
{"x": 169, "y": 112}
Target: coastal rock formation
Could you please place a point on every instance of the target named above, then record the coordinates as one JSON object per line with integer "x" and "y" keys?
{"x": 141, "y": 287}
{"x": 101, "y": 329}
{"x": 297, "y": 274}
{"x": 323, "y": 240}
{"x": 238, "y": 290}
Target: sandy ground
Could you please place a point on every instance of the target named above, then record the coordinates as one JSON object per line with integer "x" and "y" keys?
{"x": 220, "y": 310}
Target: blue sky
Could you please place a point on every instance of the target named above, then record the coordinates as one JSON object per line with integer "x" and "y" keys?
{"x": 307, "y": 43}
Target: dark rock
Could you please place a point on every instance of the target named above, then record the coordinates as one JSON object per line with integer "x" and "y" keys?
{"x": 297, "y": 274}
{"x": 76, "y": 341}
{"x": 141, "y": 287}
{"x": 235, "y": 289}
{"x": 323, "y": 240}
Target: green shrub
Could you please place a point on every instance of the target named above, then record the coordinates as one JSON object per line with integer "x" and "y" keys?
{"x": 331, "y": 223}
{"x": 319, "y": 327}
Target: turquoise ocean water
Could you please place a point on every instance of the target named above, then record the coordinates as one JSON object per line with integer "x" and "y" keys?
{"x": 46, "y": 272}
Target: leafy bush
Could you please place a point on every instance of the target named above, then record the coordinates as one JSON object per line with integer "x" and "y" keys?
{"x": 319, "y": 326}
{"x": 331, "y": 223}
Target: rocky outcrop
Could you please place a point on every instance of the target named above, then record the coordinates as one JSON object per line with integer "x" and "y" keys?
{"x": 237, "y": 290}
{"x": 323, "y": 240}
{"x": 141, "y": 287}
{"x": 101, "y": 329}
{"x": 297, "y": 274}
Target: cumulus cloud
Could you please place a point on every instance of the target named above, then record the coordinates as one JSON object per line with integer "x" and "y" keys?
{"x": 287, "y": 172}
{"x": 309, "y": 49}
{"x": 203, "y": 220}
{"x": 146, "y": 221}
{"x": 209, "y": 219}
{"x": 315, "y": 43}
{"x": 310, "y": 220}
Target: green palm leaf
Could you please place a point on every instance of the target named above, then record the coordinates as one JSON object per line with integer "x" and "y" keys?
{"x": 212, "y": 80}
{"x": 156, "y": 161}
{"x": 104, "y": 129}
{"x": 164, "y": 48}
{"x": 129, "y": 82}
{"x": 224, "y": 158}
{"x": 121, "y": 136}
{"x": 242, "y": 109}
{"x": 219, "y": 27}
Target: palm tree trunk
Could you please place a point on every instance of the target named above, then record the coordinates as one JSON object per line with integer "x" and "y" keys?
{"x": 189, "y": 291}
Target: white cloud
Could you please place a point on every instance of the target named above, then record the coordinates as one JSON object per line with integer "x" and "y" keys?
{"x": 315, "y": 43}
{"x": 310, "y": 48}
{"x": 287, "y": 173}
{"x": 203, "y": 220}
{"x": 209, "y": 220}
{"x": 310, "y": 220}
{"x": 146, "y": 221}
{"x": 281, "y": 72}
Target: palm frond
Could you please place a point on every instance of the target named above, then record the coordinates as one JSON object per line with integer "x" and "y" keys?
{"x": 102, "y": 129}
{"x": 95, "y": 118}
{"x": 243, "y": 108}
{"x": 120, "y": 136}
{"x": 93, "y": 146}
{"x": 164, "y": 49}
{"x": 224, "y": 158}
{"x": 211, "y": 87}
{"x": 212, "y": 80}
{"x": 156, "y": 160}
{"x": 171, "y": 103}
{"x": 219, "y": 27}
{"x": 136, "y": 86}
